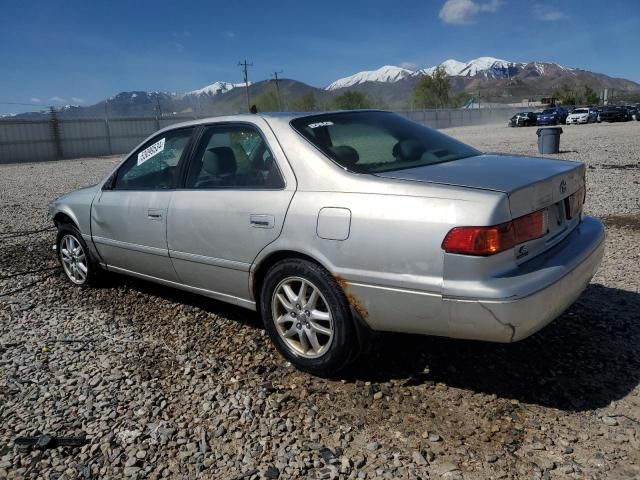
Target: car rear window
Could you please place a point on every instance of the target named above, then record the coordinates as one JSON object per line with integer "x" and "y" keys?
{"x": 580, "y": 110}
{"x": 372, "y": 142}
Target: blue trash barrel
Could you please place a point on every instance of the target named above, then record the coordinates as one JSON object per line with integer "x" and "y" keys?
{"x": 549, "y": 139}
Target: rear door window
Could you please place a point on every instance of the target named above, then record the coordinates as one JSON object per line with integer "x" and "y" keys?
{"x": 233, "y": 156}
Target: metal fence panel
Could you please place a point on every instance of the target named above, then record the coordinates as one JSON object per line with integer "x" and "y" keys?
{"x": 26, "y": 141}
{"x": 84, "y": 138}
{"x": 38, "y": 140}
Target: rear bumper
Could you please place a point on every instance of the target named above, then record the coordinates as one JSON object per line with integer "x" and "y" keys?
{"x": 540, "y": 290}
{"x": 514, "y": 306}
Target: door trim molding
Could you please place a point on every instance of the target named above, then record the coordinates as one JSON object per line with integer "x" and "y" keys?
{"x": 216, "y": 262}
{"x": 162, "y": 252}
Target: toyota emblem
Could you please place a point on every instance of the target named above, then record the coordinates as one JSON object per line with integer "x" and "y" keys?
{"x": 563, "y": 186}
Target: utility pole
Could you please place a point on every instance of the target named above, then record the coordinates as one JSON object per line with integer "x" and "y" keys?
{"x": 275, "y": 77}
{"x": 245, "y": 66}
{"x": 158, "y": 104}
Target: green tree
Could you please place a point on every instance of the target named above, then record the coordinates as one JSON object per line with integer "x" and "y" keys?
{"x": 567, "y": 95}
{"x": 351, "y": 100}
{"x": 460, "y": 99}
{"x": 432, "y": 90}
{"x": 267, "y": 101}
{"x": 590, "y": 96}
{"x": 305, "y": 103}
{"x": 573, "y": 95}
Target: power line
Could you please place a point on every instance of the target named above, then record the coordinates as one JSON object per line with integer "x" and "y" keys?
{"x": 245, "y": 66}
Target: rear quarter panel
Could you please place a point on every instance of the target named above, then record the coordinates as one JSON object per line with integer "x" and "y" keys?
{"x": 391, "y": 264}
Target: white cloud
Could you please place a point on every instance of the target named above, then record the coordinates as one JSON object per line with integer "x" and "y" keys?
{"x": 548, "y": 14}
{"x": 230, "y": 34}
{"x": 35, "y": 100}
{"x": 464, "y": 12}
{"x": 179, "y": 47}
{"x": 77, "y": 100}
{"x": 57, "y": 99}
{"x": 409, "y": 65}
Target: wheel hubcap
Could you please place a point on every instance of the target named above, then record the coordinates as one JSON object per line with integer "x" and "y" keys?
{"x": 302, "y": 317}
{"x": 74, "y": 259}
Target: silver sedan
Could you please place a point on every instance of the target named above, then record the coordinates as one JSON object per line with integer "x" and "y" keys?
{"x": 333, "y": 225}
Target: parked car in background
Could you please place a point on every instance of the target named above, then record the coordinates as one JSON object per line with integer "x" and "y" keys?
{"x": 334, "y": 224}
{"x": 612, "y": 114}
{"x": 581, "y": 115}
{"x": 552, "y": 116}
{"x": 523, "y": 119}
{"x": 632, "y": 111}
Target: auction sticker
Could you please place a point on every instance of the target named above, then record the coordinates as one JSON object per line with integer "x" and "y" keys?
{"x": 320, "y": 124}
{"x": 150, "y": 151}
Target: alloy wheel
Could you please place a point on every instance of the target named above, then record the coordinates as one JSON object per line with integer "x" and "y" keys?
{"x": 302, "y": 317}
{"x": 74, "y": 259}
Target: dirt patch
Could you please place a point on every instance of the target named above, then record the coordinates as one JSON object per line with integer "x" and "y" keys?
{"x": 622, "y": 221}
{"x": 626, "y": 166}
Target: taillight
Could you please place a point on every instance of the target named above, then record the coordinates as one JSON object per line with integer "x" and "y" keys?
{"x": 485, "y": 241}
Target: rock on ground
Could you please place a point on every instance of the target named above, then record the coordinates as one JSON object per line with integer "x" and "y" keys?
{"x": 170, "y": 385}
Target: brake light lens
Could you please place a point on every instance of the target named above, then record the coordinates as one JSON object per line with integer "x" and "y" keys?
{"x": 485, "y": 241}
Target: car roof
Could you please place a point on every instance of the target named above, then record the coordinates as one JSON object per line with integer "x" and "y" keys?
{"x": 250, "y": 117}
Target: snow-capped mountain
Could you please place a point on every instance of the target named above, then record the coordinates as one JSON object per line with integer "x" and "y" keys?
{"x": 388, "y": 73}
{"x": 489, "y": 67}
{"x": 451, "y": 67}
{"x": 484, "y": 67}
{"x": 216, "y": 88}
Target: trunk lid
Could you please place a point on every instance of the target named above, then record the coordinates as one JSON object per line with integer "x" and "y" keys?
{"x": 531, "y": 184}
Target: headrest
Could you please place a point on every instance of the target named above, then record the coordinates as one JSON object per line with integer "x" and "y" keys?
{"x": 408, "y": 150}
{"x": 219, "y": 161}
{"x": 345, "y": 155}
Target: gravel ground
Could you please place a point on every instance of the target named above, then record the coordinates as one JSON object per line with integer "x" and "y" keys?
{"x": 170, "y": 385}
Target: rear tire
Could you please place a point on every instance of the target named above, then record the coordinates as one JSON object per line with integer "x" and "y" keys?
{"x": 77, "y": 264}
{"x": 308, "y": 318}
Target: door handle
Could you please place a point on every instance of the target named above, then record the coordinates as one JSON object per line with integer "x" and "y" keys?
{"x": 154, "y": 214}
{"x": 261, "y": 220}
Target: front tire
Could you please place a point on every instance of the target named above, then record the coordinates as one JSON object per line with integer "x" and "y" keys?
{"x": 307, "y": 317}
{"x": 74, "y": 257}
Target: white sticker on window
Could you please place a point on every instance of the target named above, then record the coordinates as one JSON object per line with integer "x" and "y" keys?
{"x": 320, "y": 124}
{"x": 150, "y": 151}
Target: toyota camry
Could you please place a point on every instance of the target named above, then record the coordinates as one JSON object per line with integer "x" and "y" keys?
{"x": 335, "y": 224}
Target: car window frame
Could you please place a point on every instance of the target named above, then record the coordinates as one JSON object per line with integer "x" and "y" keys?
{"x": 110, "y": 184}
{"x": 196, "y": 143}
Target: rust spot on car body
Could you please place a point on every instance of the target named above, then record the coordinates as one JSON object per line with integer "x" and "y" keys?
{"x": 351, "y": 298}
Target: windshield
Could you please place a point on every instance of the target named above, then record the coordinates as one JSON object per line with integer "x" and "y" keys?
{"x": 580, "y": 110}
{"x": 548, "y": 111}
{"x": 372, "y": 142}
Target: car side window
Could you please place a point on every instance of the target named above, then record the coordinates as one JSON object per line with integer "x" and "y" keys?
{"x": 155, "y": 165}
{"x": 233, "y": 156}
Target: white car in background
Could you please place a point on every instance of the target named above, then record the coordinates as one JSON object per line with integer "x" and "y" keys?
{"x": 581, "y": 115}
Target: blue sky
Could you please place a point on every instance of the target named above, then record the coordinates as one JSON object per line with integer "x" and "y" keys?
{"x": 80, "y": 52}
